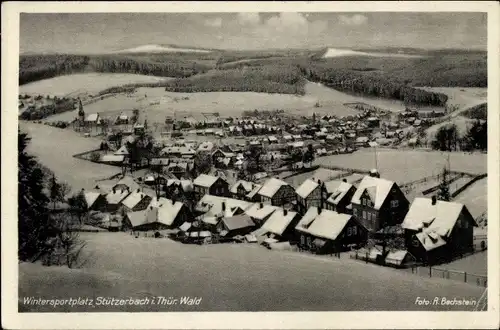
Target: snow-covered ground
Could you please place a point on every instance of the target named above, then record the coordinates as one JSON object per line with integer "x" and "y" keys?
{"x": 230, "y": 277}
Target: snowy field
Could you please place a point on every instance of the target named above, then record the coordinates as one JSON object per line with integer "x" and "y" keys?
{"x": 403, "y": 166}
{"x": 55, "y": 148}
{"x": 83, "y": 83}
{"x": 230, "y": 277}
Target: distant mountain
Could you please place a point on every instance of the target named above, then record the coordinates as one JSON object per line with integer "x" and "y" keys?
{"x": 155, "y": 48}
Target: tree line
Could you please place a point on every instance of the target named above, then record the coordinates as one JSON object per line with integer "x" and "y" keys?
{"x": 368, "y": 84}
{"x": 269, "y": 79}
{"x": 58, "y": 106}
{"x": 38, "y": 67}
{"x": 447, "y": 138}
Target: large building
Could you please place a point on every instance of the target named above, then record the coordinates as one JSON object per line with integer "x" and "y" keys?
{"x": 437, "y": 231}
{"x": 378, "y": 203}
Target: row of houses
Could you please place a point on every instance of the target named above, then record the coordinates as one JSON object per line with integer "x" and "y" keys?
{"x": 337, "y": 214}
{"x": 323, "y": 217}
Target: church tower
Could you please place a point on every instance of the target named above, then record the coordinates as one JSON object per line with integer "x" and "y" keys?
{"x": 81, "y": 113}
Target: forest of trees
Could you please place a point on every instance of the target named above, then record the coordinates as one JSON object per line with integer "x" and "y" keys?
{"x": 269, "y": 79}
{"x": 38, "y": 67}
{"x": 43, "y": 233}
{"x": 372, "y": 85}
{"x": 447, "y": 138}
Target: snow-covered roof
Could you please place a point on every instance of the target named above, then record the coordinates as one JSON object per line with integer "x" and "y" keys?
{"x": 129, "y": 182}
{"x": 278, "y": 221}
{"x": 122, "y": 151}
{"x": 396, "y": 257}
{"x": 112, "y": 158}
{"x": 248, "y": 186}
{"x": 168, "y": 211}
{"x": 260, "y": 213}
{"x": 307, "y": 219}
{"x": 306, "y": 188}
{"x": 430, "y": 240}
{"x": 254, "y": 191}
{"x": 205, "y": 180}
{"x": 328, "y": 224}
{"x": 186, "y": 185}
{"x": 156, "y": 202}
{"x": 91, "y": 197}
{"x": 271, "y": 187}
{"x": 134, "y": 198}
{"x": 93, "y": 117}
{"x": 117, "y": 196}
{"x": 339, "y": 192}
{"x": 377, "y": 188}
{"x": 213, "y": 205}
{"x": 238, "y": 221}
{"x": 440, "y": 217}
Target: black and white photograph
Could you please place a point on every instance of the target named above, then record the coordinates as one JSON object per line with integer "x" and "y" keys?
{"x": 253, "y": 161}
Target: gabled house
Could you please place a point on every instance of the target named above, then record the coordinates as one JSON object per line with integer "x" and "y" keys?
{"x": 331, "y": 232}
{"x": 378, "y": 203}
{"x": 136, "y": 201}
{"x": 260, "y": 212}
{"x": 309, "y": 193}
{"x": 167, "y": 215}
{"x": 115, "y": 198}
{"x": 96, "y": 201}
{"x": 241, "y": 189}
{"x": 281, "y": 225}
{"x": 240, "y": 224}
{"x": 210, "y": 185}
{"x": 339, "y": 195}
{"x": 211, "y": 209}
{"x": 276, "y": 192}
{"x": 437, "y": 231}
{"x": 177, "y": 188}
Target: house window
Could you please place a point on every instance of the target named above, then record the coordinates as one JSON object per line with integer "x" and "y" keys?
{"x": 465, "y": 224}
{"x": 309, "y": 241}
{"x": 355, "y": 212}
{"x": 349, "y": 231}
{"x": 354, "y": 230}
{"x": 302, "y": 239}
{"x": 369, "y": 215}
{"x": 363, "y": 202}
{"x": 364, "y": 214}
{"x": 394, "y": 203}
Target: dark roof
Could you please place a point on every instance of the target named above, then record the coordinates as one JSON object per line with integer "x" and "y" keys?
{"x": 238, "y": 221}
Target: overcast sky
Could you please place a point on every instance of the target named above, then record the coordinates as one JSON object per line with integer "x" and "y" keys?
{"x": 94, "y": 33}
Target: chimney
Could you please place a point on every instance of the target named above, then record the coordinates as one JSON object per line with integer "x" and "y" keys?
{"x": 319, "y": 210}
{"x": 344, "y": 180}
{"x": 97, "y": 187}
{"x": 114, "y": 190}
{"x": 434, "y": 200}
{"x": 285, "y": 212}
{"x": 157, "y": 198}
{"x": 223, "y": 206}
{"x": 151, "y": 207}
{"x": 138, "y": 190}
{"x": 261, "y": 205}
